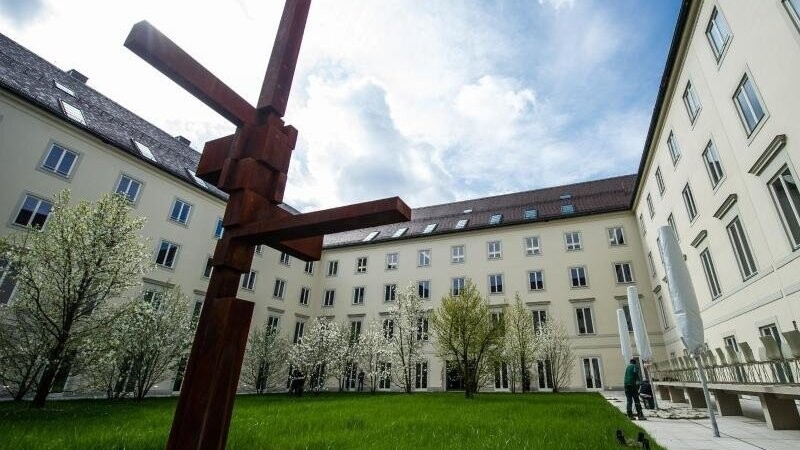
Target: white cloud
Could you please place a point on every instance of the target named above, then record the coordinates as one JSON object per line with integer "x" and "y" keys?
{"x": 557, "y": 4}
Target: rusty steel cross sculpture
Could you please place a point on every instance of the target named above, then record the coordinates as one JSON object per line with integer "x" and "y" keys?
{"x": 251, "y": 166}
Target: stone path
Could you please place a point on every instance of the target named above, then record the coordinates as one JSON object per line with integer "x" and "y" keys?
{"x": 677, "y": 427}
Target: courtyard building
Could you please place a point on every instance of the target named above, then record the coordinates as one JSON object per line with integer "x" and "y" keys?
{"x": 719, "y": 166}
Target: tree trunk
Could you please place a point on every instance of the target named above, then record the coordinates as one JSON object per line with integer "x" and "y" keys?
{"x": 49, "y": 374}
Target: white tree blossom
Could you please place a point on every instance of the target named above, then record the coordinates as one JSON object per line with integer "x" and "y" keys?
{"x": 405, "y": 349}
{"x": 86, "y": 254}
{"x": 22, "y": 350}
{"x": 520, "y": 344}
{"x": 556, "y": 348}
{"x": 265, "y": 360}
{"x": 318, "y": 349}
{"x": 374, "y": 352}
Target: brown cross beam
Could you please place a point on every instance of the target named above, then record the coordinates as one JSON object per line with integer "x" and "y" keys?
{"x": 251, "y": 166}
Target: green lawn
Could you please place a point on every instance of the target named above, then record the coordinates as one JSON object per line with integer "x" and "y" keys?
{"x": 341, "y": 421}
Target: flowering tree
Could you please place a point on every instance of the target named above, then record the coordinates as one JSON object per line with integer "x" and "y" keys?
{"x": 374, "y": 352}
{"x": 66, "y": 272}
{"x": 556, "y": 349}
{"x": 344, "y": 351}
{"x": 264, "y": 363}
{"x": 22, "y": 350}
{"x": 467, "y": 335}
{"x": 315, "y": 352}
{"x": 520, "y": 344}
{"x": 404, "y": 347}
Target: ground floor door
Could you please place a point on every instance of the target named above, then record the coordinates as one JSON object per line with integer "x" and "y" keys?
{"x": 544, "y": 374}
{"x": 501, "y": 377}
{"x": 591, "y": 373}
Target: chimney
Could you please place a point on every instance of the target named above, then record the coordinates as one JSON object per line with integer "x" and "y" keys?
{"x": 78, "y": 76}
{"x": 183, "y": 140}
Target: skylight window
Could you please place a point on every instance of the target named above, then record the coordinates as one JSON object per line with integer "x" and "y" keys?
{"x": 568, "y": 209}
{"x": 531, "y": 214}
{"x": 197, "y": 179}
{"x": 371, "y": 236}
{"x": 144, "y": 150}
{"x": 400, "y": 232}
{"x": 468, "y": 210}
{"x": 429, "y": 228}
{"x": 73, "y": 112}
{"x": 565, "y": 196}
{"x": 495, "y": 219}
{"x": 462, "y": 223}
{"x": 64, "y": 89}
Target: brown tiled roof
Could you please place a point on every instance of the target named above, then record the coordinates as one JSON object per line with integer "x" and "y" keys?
{"x": 591, "y": 197}
{"x": 26, "y": 75}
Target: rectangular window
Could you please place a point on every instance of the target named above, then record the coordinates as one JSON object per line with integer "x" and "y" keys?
{"x": 793, "y": 8}
{"x": 713, "y": 164}
{"x": 671, "y": 223}
{"x": 392, "y": 261}
{"x": 585, "y": 322}
{"x": 457, "y": 254}
{"x": 651, "y": 263}
{"x": 280, "y": 288}
{"x": 535, "y": 280}
{"x": 741, "y": 248}
{"x": 59, "y": 160}
{"x": 641, "y": 225}
{"x": 272, "y": 324}
{"x": 568, "y": 209}
{"x": 650, "y": 208}
{"x": 663, "y": 311}
{"x": 128, "y": 187}
{"x": 616, "y": 236}
{"x": 628, "y": 323}
{"x": 400, "y": 232}
{"x": 749, "y": 105}
{"x": 495, "y": 219}
{"x": 688, "y": 202}
{"x": 209, "y": 268}
{"x": 8, "y": 282}
{"x": 496, "y": 283}
{"x": 144, "y": 150}
{"x": 309, "y": 268}
{"x": 422, "y": 329}
{"x": 299, "y": 327}
{"x": 388, "y": 328}
{"x": 786, "y": 196}
{"x": 711, "y": 274}
{"x": 180, "y": 211}
{"x": 577, "y": 276}
{"x": 429, "y": 228}
{"x": 389, "y": 292}
{"x": 249, "y": 280}
{"x": 64, "y": 89}
{"x": 33, "y": 212}
{"x": 539, "y": 319}
{"x": 285, "y": 259}
{"x": 660, "y": 182}
{"x": 329, "y": 297}
{"x": 424, "y": 258}
{"x": 167, "y": 254}
{"x": 573, "y": 241}
{"x": 72, "y": 112}
{"x": 674, "y": 148}
{"x": 591, "y": 370}
{"x": 424, "y": 289}
{"x": 259, "y": 249}
{"x": 218, "y": 229}
{"x": 624, "y": 272}
{"x": 421, "y": 375}
{"x": 532, "y": 246}
{"x": 691, "y": 101}
{"x": 530, "y": 214}
{"x": 461, "y": 224}
{"x": 457, "y": 285}
{"x": 372, "y": 235}
{"x": 333, "y": 268}
{"x": 771, "y": 330}
{"x": 730, "y": 341}
{"x": 305, "y": 293}
{"x": 358, "y": 295}
{"x": 718, "y": 33}
{"x": 494, "y": 250}
{"x": 361, "y": 264}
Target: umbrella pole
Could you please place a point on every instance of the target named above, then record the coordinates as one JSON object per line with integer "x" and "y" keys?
{"x": 711, "y": 414}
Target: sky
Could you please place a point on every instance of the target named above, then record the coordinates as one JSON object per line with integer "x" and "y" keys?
{"x": 431, "y": 100}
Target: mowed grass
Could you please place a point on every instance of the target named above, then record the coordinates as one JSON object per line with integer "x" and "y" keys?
{"x": 333, "y": 421}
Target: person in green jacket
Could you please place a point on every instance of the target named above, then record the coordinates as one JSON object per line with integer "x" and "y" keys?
{"x": 631, "y": 382}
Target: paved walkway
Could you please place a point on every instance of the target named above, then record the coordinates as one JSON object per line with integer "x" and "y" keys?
{"x": 748, "y": 432}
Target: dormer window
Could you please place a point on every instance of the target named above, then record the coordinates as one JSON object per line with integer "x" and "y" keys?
{"x": 468, "y": 210}
{"x": 461, "y": 223}
{"x": 64, "y": 89}
{"x": 495, "y": 219}
{"x": 371, "y": 236}
{"x": 400, "y": 232}
{"x": 565, "y": 196}
{"x": 73, "y": 112}
{"x": 144, "y": 150}
{"x": 531, "y": 214}
{"x": 568, "y": 209}
{"x": 429, "y": 228}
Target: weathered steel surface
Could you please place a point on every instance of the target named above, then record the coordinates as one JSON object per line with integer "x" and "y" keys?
{"x": 251, "y": 166}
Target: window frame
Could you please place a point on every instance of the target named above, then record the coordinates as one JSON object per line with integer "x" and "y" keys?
{"x": 540, "y": 280}
{"x": 328, "y": 298}
{"x": 424, "y": 289}
{"x": 332, "y": 264}
{"x": 710, "y": 272}
{"x": 531, "y": 250}
{"x": 497, "y": 288}
{"x": 390, "y": 292}
{"x": 277, "y": 293}
{"x": 305, "y": 295}
{"x": 746, "y": 248}
{"x": 689, "y": 95}
{"x": 55, "y": 170}
{"x": 747, "y": 77}
{"x": 453, "y": 256}
{"x": 585, "y": 277}
{"x": 719, "y": 53}
{"x": 497, "y": 253}
{"x": 362, "y": 268}
{"x": 650, "y": 209}
{"x": 576, "y": 246}
{"x": 72, "y": 112}
{"x": 711, "y": 170}
{"x": 674, "y": 148}
{"x": 794, "y": 206}
{"x": 359, "y": 295}
{"x": 614, "y": 237}
{"x": 660, "y": 181}
{"x": 671, "y": 223}
{"x": 185, "y": 204}
{"x": 131, "y": 179}
{"x": 249, "y": 280}
{"x": 392, "y": 261}
{"x": 589, "y": 330}
{"x": 689, "y": 203}
{"x": 462, "y": 284}
{"x": 40, "y": 200}
{"x": 424, "y": 257}
{"x": 622, "y": 265}
{"x": 166, "y": 256}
